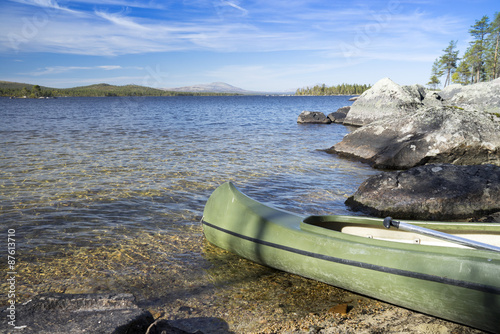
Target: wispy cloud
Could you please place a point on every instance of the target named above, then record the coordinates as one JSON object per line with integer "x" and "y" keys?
{"x": 121, "y": 20}
{"x": 232, "y": 4}
{"x": 92, "y": 27}
{"x": 63, "y": 69}
{"x": 51, "y": 4}
{"x": 126, "y": 3}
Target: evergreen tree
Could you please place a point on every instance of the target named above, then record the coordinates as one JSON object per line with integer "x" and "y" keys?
{"x": 36, "y": 91}
{"x": 448, "y": 62}
{"x": 343, "y": 89}
{"x": 434, "y": 82}
{"x": 465, "y": 71}
{"x": 478, "y": 47}
{"x": 492, "y": 62}
{"x": 436, "y": 73}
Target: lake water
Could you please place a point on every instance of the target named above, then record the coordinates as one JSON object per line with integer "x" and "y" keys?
{"x": 106, "y": 194}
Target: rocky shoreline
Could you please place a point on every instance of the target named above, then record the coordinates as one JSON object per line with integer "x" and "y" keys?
{"x": 443, "y": 152}
{"x": 282, "y": 303}
{"x": 408, "y": 127}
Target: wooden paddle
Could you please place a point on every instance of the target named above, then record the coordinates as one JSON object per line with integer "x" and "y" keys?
{"x": 388, "y": 222}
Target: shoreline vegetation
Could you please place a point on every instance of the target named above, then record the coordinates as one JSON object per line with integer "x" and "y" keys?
{"x": 343, "y": 89}
{"x": 23, "y": 90}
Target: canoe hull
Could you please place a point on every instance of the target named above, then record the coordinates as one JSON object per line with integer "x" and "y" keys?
{"x": 461, "y": 285}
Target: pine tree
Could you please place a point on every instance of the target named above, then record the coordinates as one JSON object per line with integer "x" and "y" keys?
{"x": 479, "y": 31}
{"x": 448, "y": 61}
{"x": 492, "y": 63}
{"x": 436, "y": 73}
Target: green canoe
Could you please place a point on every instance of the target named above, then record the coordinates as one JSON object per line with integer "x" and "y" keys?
{"x": 409, "y": 269}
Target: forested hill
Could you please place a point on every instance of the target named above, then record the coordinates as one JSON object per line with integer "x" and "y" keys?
{"x": 15, "y": 89}
{"x": 343, "y": 89}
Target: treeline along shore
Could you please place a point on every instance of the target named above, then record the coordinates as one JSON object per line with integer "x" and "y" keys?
{"x": 342, "y": 89}
{"x": 20, "y": 90}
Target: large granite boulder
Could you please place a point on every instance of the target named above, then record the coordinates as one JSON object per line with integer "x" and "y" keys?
{"x": 315, "y": 117}
{"x": 429, "y": 135}
{"x": 388, "y": 99}
{"x": 431, "y": 192}
{"x": 483, "y": 96}
{"x": 81, "y": 313}
{"x": 385, "y": 99}
{"x": 449, "y": 91}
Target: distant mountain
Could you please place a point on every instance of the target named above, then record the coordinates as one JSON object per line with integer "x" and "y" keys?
{"x": 16, "y": 89}
{"x": 16, "y": 85}
{"x": 214, "y": 87}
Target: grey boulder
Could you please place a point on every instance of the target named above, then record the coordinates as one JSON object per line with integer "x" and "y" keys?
{"x": 315, "y": 117}
{"x": 431, "y": 192}
{"x": 385, "y": 99}
{"x": 430, "y": 135}
{"x": 340, "y": 115}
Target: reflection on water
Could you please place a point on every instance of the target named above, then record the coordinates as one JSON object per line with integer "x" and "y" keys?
{"x": 106, "y": 194}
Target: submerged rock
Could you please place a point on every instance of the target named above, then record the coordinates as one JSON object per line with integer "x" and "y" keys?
{"x": 195, "y": 325}
{"x": 430, "y": 135}
{"x": 431, "y": 192}
{"x": 164, "y": 326}
{"x": 313, "y": 117}
{"x": 82, "y": 313}
{"x": 385, "y": 99}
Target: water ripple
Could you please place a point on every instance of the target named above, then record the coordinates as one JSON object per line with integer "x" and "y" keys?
{"x": 91, "y": 177}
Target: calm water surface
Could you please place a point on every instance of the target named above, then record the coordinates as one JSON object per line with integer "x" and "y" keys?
{"x": 106, "y": 194}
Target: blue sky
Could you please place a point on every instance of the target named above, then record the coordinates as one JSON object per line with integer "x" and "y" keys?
{"x": 263, "y": 45}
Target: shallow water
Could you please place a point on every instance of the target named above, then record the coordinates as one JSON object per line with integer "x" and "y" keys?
{"x": 106, "y": 194}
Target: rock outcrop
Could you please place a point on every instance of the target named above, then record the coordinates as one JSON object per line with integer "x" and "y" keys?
{"x": 483, "y": 96}
{"x": 385, "y": 99}
{"x": 431, "y": 135}
{"x": 431, "y": 192}
{"x": 315, "y": 117}
{"x": 82, "y": 313}
{"x": 388, "y": 99}
{"x": 407, "y": 127}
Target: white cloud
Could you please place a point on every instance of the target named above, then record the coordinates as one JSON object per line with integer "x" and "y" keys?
{"x": 110, "y": 67}
{"x": 125, "y": 3}
{"x": 62, "y": 69}
{"x": 263, "y": 26}
{"x": 49, "y": 4}
{"x": 121, "y": 20}
{"x": 232, "y": 4}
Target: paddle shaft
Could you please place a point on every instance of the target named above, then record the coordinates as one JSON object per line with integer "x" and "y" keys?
{"x": 388, "y": 222}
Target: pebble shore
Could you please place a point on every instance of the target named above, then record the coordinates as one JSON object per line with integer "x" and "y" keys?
{"x": 255, "y": 299}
